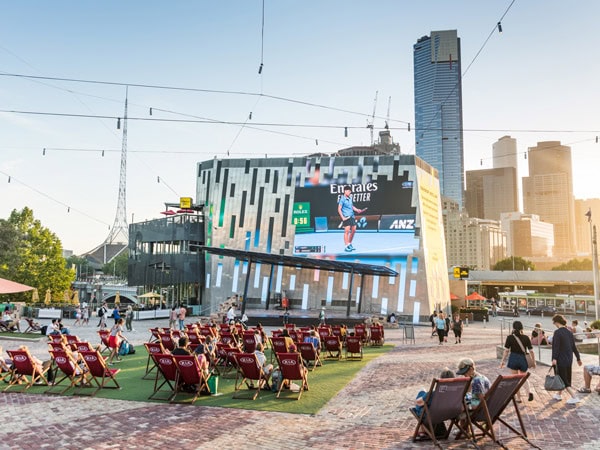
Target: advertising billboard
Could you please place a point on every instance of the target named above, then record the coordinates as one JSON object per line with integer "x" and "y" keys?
{"x": 383, "y": 218}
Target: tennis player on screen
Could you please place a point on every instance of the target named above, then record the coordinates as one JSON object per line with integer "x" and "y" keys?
{"x": 346, "y": 211}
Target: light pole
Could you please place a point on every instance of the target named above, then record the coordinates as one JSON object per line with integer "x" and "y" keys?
{"x": 594, "y": 240}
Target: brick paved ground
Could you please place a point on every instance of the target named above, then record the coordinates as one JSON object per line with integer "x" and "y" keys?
{"x": 370, "y": 412}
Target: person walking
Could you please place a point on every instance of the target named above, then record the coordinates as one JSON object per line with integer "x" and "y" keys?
{"x": 102, "y": 315}
{"x": 457, "y": 328}
{"x": 563, "y": 349}
{"x": 181, "y": 317}
{"x": 515, "y": 346}
{"x": 129, "y": 318}
{"x": 440, "y": 325}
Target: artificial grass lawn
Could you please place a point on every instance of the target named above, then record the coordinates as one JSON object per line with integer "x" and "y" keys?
{"x": 324, "y": 382}
{"x": 17, "y": 335}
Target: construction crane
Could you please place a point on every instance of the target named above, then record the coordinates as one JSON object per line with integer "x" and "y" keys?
{"x": 387, "y": 118}
{"x": 370, "y": 124}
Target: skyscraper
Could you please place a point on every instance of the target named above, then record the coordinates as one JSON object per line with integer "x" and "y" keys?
{"x": 548, "y": 192}
{"x": 438, "y": 109}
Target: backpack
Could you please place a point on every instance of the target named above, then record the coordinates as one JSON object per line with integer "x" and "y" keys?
{"x": 126, "y": 348}
{"x": 100, "y": 312}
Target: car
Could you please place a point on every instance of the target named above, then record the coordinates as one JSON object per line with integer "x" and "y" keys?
{"x": 542, "y": 310}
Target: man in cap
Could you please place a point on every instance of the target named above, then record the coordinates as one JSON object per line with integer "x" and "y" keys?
{"x": 479, "y": 383}
{"x": 346, "y": 211}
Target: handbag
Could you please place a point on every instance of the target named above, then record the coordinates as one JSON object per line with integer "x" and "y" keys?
{"x": 530, "y": 360}
{"x": 553, "y": 382}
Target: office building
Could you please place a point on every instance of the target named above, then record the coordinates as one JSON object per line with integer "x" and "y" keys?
{"x": 438, "y": 109}
{"x": 548, "y": 192}
{"x": 491, "y": 192}
{"x": 526, "y": 235}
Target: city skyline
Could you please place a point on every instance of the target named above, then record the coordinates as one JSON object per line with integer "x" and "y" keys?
{"x": 530, "y": 82}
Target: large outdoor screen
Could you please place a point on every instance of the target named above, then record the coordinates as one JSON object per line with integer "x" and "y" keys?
{"x": 385, "y": 227}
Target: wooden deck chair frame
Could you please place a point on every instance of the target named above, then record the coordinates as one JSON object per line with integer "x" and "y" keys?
{"x": 189, "y": 373}
{"x": 32, "y": 326}
{"x": 104, "y": 335}
{"x": 331, "y": 345}
{"x": 310, "y": 355}
{"x": 154, "y": 337}
{"x": 278, "y": 345}
{"x": 230, "y": 363}
{"x": 292, "y": 369}
{"x": 166, "y": 374}
{"x": 354, "y": 348}
{"x": 152, "y": 347}
{"x": 70, "y": 369}
{"x": 24, "y": 368}
{"x": 167, "y": 340}
{"x": 249, "y": 371}
{"x": 445, "y": 401}
{"x": 489, "y": 411}
{"x": 100, "y": 374}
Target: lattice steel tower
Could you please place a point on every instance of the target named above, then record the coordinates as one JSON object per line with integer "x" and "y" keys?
{"x": 120, "y": 228}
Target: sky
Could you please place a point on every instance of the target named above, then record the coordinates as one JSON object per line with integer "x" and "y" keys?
{"x": 195, "y": 63}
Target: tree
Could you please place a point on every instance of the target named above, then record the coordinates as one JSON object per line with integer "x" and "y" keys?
{"x": 81, "y": 264}
{"x": 31, "y": 254}
{"x": 514, "y": 263}
{"x": 575, "y": 264}
{"x": 117, "y": 266}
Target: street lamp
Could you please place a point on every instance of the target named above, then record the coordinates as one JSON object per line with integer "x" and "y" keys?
{"x": 594, "y": 240}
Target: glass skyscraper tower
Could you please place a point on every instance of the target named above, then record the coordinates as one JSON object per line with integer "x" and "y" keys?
{"x": 438, "y": 109}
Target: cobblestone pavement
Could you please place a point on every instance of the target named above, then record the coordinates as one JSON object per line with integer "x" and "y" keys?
{"x": 371, "y": 412}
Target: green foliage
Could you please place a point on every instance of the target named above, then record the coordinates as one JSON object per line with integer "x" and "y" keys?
{"x": 118, "y": 266}
{"x": 31, "y": 254}
{"x": 595, "y": 325}
{"x": 575, "y": 264}
{"x": 514, "y": 263}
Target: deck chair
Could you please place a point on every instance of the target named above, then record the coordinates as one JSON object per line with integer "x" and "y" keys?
{"x": 310, "y": 355}
{"x": 324, "y": 333}
{"x": 167, "y": 341}
{"x": 151, "y": 348}
{"x": 104, "y": 335}
{"x": 194, "y": 337}
{"x": 83, "y": 346}
{"x": 25, "y": 369}
{"x": 230, "y": 363}
{"x": 278, "y": 345}
{"x": 32, "y": 325}
{"x": 165, "y": 375}
{"x": 249, "y": 372}
{"x": 189, "y": 375}
{"x": 4, "y": 369}
{"x": 57, "y": 338}
{"x": 377, "y": 335}
{"x": 100, "y": 374}
{"x": 249, "y": 342}
{"x": 445, "y": 401}
{"x": 361, "y": 332}
{"x": 70, "y": 369}
{"x": 497, "y": 398}
{"x": 333, "y": 346}
{"x": 354, "y": 350}
{"x": 292, "y": 369}
{"x": 154, "y": 337}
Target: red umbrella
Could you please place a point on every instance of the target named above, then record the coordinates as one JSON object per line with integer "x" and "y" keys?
{"x": 454, "y": 297}
{"x": 475, "y": 296}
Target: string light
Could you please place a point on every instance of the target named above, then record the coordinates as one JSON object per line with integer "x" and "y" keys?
{"x": 499, "y": 27}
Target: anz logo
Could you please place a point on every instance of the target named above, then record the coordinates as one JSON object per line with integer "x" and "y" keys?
{"x": 362, "y": 223}
{"x": 402, "y": 224}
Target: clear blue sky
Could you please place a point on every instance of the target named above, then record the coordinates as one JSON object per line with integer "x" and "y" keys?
{"x": 536, "y": 81}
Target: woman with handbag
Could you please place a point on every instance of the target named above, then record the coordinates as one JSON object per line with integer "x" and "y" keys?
{"x": 563, "y": 348}
{"x": 520, "y": 355}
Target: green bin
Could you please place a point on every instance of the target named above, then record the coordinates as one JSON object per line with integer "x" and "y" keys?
{"x": 213, "y": 384}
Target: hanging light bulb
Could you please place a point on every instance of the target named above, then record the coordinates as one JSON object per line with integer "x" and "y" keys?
{"x": 68, "y": 209}
{"x": 316, "y": 142}
{"x": 260, "y": 68}
{"x": 525, "y": 155}
{"x": 44, "y": 151}
{"x": 158, "y": 179}
{"x": 150, "y": 111}
{"x": 481, "y": 162}
{"x": 346, "y": 132}
{"x": 118, "y": 123}
{"x": 408, "y": 126}
{"x": 499, "y": 27}
{"x": 250, "y": 116}
{"x": 9, "y": 178}
{"x": 103, "y": 153}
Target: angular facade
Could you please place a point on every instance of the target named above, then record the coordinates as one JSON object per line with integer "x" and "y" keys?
{"x": 289, "y": 206}
{"x": 491, "y": 192}
{"x": 438, "y": 109}
{"x": 527, "y": 236}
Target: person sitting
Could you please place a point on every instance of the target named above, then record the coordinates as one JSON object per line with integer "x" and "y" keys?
{"x": 420, "y": 404}
{"x": 480, "y": 384}
{"x": 262, "y": 360}
{"x": 288, "y": 339}
{"x": 39, "y": 364}
{"x": 576, "y": 330}
{"x": 9, "y": 321}
{"x": 588, "y": 372}
{"x": 313, "y": 338}
{"x": 5, "y": 364}
{"x": 538, "y": 336}
{"x": 182, "y": 347}
{"x": 53, "y": 328}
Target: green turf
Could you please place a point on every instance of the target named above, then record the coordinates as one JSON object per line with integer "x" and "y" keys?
{"x": 16, "y": 335}
{"x": 324, "y": 383}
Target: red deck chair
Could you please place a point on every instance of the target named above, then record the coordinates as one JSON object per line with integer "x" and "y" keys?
{"x": 249, "y": 342}
{"x": 445, "y": 401}
{"x": 56, "y": 346}
{"x": 194, "y": 337}
{"x": 290, "y": 326}
{"x": 152, "y": 348}
{"x": 190, "y": 375}
{"x": 165, "y": 375}
{"x": 167, "y": 341}
{"x": 70, "y": 369}
{"x": 309, "y": 354}
{"x": 249, "y": 371}
{"x": 206, "y": 331}
{"x": 292, "y": 369}
{"x": 497, "y": 398}
{"x": 230, "y": 363}
{"x": 227, "y": 338}
{"x": 324, "y": 333}
{"x": 361, "y": 332}
{"x": 57, "y": 338}
{"x": 104, "y": 335}
{"x": 377, "y": 335}
{"x": 72, "y": 340}
{"x": 333, "y": 346}
{"x": 224, "y": 327}
{"x": 100, "y": 373}
{"x": 354, "y": 349}
{"x": 32, "y": 325}
{"x": 83, "y": 346}
{"x": 278, "y": 345}
{"x": 154, "y": 337}
{"x": 336, "y": 330}
{"x": 276, "y": 333}
{"x": 176, "y": 334}
{"x": 24, "y": 368}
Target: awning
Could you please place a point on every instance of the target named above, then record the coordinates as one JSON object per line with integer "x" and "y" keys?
{"x": 12, "y": 287}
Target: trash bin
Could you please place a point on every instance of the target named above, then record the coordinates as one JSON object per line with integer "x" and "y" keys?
{"x": 213, "y": 384}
